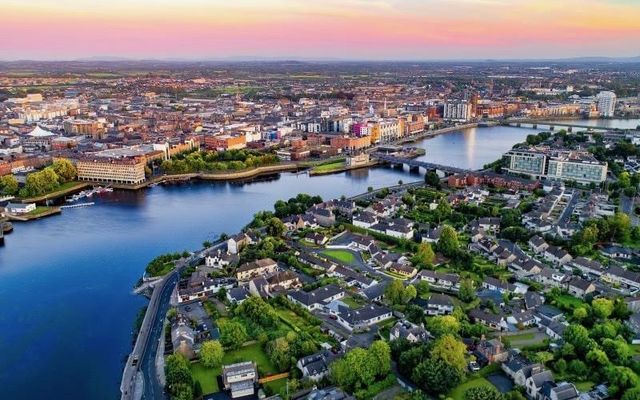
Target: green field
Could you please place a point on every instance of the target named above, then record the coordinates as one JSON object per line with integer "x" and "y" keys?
{"x": 206, "y": 377}
{"x": 458, "y": 392}
{"x": 584, "y": 386}
{"x": 568, "y": 302}
{"x": 344, "y": 256}
{"x": 329, "y": 167}
{"x": 278, "y": 386}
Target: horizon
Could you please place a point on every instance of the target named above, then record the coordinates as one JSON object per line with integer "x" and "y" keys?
{"x": 342, "y": 30}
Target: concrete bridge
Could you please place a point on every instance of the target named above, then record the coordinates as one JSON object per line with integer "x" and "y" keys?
{"x": 569, "y": 125}
{"x": 416, "y": 164}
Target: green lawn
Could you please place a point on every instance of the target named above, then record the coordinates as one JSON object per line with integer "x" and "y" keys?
{"x": 568, "y": 302}
{"x": 207, "y": 377}
{"x": 277, "y": 387}
{"x": 520, "y": 337}
{"x": 329, "y": 167}
{"x": 344, "y": 256}
{"x": 39, "y": 210}
{"x": 584, "y": 386}
{"x": 252, "y": 352}
{"x": 458, "y": 392}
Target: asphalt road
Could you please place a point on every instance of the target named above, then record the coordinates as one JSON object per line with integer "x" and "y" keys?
{"x": 153, "y": 388}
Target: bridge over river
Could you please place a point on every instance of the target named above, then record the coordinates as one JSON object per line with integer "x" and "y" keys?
{"x": 569, "y": 125}
{"x": 417, "y": 164}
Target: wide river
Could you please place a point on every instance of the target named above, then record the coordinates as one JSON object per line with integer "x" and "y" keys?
{"x": 67, "y": 308}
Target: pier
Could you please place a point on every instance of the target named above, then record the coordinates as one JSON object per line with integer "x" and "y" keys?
{"x": 79, "y": 205}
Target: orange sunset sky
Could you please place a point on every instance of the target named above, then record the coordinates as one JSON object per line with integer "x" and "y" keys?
{"x": 318, "y": 29}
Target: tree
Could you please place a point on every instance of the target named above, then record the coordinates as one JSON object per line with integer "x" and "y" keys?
{"x": 597, "y": 358}
{"x": 467, "y": 291}
{"x": 617, "y": 350}
{"x": 624, "y": 180}
{"x": 179, "y": 381}
{"x": 8, "y": 185}
{"x": 353, "y": 371}
{"x": 425, "y": 255}
{"x": 602, "y": 307}
{"x": 580, "y": 313}
{"x": 483, "y": 393}
{"x": 578, "y": 369}
{"x": 394, "y": 291}
{"x": 620, "y": 379}
{"x": 409, "y": 293}
{"x": 443, "y": 325}
{"x": 578, "y": 337}
{"x": 436, "y": 376}
{"x": 211, "y": 354}
{"x": 542, "y": 357}
{"x": 448, "y": 243}
{"x": 280, "y": 353}
{"x": 432, "y": 179}
{"x": 631, "y": 394}
{"x": 64, "y": 169}
{"x": 450, "y": 350}
{"x": 380, "y": 355}
{"x": 443, "y": 210}
{"x": 232, "y": 334}
{"x": 275, "y": 227}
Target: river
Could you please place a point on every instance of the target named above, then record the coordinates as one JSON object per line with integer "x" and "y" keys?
{"x": 66, "y": 281}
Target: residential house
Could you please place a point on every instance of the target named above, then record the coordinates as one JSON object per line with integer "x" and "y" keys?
{"x": 324, "y": 216}
{"x": 556, "y": 255}
{"x": 439, "y": 280}
{"x": 579, "y": 287}
{"x": 256, "y": 268}
{"x": 533, "y": 384}
{"x": 364, "y": 220}
{"x": 183, "y": 337}
{"x": 316, "y": 298}
{"x": 220, "y": 259}
{"x": 491, "y": 351}
{"x": 491, "y": 320}
{"x": 439, "y": 304}
{"x": 495, "y": 284}
{"x": 240, "y": 378}
{"x": 238, "y": 295}
{"x": 587, "y": 266}
{"x": 537, "y": 244}
{"x": 316, "y": 366}
{"x": 408, "y": 331}
{"x": 316, "y": 238}
{"x": 362, "y": 317}
{"x": 552, "y": 278}
{"x": 236, "y": 243}
{"x": 403, "y": 269}
{"x": 525, "y": 267}
{"x": 619, "y": 276}
{"x": 616, "y": 252}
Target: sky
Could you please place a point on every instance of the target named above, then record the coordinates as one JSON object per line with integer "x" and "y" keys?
{"x": 318, "y": 29}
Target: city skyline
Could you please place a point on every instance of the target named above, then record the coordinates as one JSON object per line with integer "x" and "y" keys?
{"x": 340, "y": 30}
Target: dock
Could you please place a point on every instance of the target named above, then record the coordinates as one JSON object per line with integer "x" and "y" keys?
{"x": 79, "y": 205}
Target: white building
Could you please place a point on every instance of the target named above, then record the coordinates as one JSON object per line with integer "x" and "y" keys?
{"x": 457, "y": 110}
{"x": 606, "y": 103}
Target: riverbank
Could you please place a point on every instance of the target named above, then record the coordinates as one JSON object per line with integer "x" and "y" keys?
{"x": 65, "y": 189}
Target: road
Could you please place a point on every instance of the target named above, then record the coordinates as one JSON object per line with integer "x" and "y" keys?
{"x": 150, "y": 334}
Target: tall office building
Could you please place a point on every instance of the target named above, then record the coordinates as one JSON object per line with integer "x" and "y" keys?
{"x": 606, "y": 103}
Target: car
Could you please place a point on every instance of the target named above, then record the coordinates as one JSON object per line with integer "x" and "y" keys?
{"x": 473, "y": 366}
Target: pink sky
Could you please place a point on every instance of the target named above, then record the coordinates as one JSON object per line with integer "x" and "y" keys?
{"x": 337, "y": 29}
